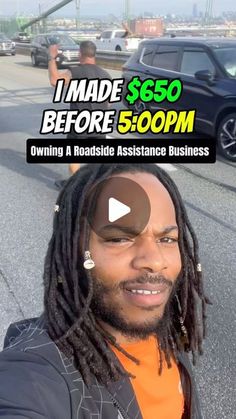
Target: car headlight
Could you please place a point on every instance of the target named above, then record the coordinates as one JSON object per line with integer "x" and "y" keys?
{"x": 13, "y": 44}
{"x": 60, "y": 51}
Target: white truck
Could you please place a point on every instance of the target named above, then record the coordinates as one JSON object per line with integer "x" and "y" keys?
{"x": 117, "y": 40}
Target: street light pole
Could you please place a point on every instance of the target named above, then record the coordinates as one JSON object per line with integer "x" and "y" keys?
{"x": 127, "y": 11}
{"x": 17, "y": 8}
{"x": 77, "y": 4}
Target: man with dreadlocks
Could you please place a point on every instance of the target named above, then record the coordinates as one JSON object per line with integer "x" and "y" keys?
{"x": 122, "y": 308}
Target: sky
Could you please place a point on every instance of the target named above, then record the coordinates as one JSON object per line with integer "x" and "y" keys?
{"x": 116, "y": 7}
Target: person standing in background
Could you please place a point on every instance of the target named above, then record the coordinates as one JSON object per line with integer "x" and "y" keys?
{"x": 87, "y": 69}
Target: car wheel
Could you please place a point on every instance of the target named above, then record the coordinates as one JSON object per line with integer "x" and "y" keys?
{"x": 226, "y": 137}
{"x": 13, "y": 53}
{"x": 34, "y": 60}
{"x": 118, "y": 48}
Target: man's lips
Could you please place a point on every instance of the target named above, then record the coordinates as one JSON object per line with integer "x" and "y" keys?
{"x": 147, "y": 294}
{"x": 149, "y": 287}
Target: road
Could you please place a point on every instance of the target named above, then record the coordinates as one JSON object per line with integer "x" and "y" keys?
{"x": 26, "y": 207}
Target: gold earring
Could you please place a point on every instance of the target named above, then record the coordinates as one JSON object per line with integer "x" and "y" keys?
{"x": 88, "y": 261}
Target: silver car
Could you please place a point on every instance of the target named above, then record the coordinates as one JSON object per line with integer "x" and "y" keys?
{"x": 6, "y": 45}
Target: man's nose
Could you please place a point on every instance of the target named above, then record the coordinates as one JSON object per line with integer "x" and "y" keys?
{"x": 149, "y": 257}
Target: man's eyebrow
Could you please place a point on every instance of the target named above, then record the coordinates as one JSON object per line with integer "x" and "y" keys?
{"x": 168, "y": 229}
{"x": 116, "y": 227}
{"x": 134, "y": 231}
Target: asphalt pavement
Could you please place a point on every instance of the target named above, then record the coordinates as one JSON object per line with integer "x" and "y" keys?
{"x": 27, "y": 200}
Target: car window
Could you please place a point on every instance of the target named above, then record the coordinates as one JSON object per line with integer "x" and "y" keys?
{"x": 196, "y": 60}
{"x": 106, "y": 35}
{"x": 166, "y": 57}
{"x": 120, "y": 34}
{"x": 146, "y": 56}
{"x": 39, "y": 40}
{"x": 43, "y": 40}
{"x": 227, "y": 58}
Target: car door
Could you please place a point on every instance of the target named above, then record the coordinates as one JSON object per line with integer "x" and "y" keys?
{"x": 106, "y": 41}
{"x": 44, "y": 49}
{"x": 38, "y": 48}
{"x": 35, "y": 47}
{"x": 163, "y": 64}
{"x": 199, "y": 94}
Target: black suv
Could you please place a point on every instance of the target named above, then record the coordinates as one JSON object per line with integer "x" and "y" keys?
{"x": 207, "y": 69}
{"x": 68, "y": 50}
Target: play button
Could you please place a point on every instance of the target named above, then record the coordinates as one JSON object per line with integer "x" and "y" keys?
{"x": 117, "y": 210}
{"x": 117, "y": 205}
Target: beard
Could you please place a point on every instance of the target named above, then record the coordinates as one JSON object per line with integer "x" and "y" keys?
{"x": 110, "y": 312}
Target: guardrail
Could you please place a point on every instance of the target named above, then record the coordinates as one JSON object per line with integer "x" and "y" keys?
{"x": 108, "y": 59}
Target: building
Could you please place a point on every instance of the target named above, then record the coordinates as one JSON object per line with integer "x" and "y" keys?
{"x": 195, "y": 11}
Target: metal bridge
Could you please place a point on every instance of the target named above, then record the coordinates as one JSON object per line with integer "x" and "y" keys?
{"x": 44, "y": 15}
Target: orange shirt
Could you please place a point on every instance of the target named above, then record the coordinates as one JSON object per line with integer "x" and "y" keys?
{"x": 158, "y": 396}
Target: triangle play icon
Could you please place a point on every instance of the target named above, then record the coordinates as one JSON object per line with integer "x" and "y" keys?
{"x": 116, "y": 210}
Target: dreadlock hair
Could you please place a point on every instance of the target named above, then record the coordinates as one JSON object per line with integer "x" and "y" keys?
{"x": 69, "y": 288}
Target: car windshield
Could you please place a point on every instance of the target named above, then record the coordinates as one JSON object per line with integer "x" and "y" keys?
{"x": 227, "y": 57}
{"x": 61, "y": 40}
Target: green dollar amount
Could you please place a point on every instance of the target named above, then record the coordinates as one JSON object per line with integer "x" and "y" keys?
{"x": 153, "y": 90}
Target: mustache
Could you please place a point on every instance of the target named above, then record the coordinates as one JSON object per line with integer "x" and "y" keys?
{"x": 146, "y": 279}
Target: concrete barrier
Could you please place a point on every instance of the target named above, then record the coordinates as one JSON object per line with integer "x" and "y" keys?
{"x": 107, "y": 59}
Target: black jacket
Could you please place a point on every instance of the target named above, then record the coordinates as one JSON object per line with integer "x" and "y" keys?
{"x": 37, "y": 381}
